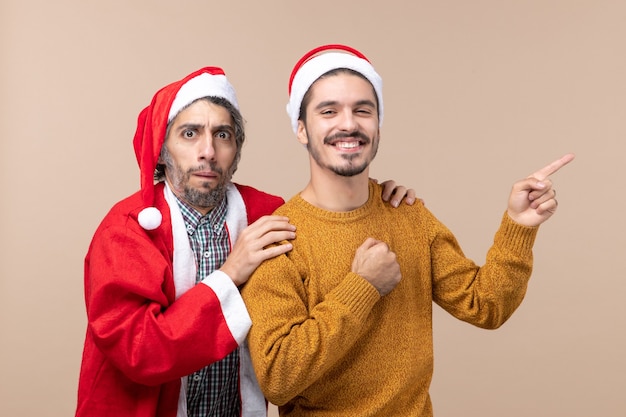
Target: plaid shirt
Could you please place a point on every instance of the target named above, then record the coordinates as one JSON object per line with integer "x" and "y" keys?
{"x": 214, "y": 390}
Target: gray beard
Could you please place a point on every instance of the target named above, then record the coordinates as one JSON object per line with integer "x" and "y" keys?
{"x": 209, "y": 198}
{"x": 198, "y": 198}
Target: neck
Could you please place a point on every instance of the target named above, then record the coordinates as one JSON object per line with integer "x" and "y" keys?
{"x": 332, "y": 192}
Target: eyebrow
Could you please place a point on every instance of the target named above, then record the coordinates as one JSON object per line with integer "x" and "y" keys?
{"x": 198, "y": 126}
{"x": 193, "y": 126}
{"x": 334, "y": 102}
{"x": 229, "y": 128}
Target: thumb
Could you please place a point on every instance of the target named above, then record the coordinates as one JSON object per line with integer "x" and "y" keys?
{"x": 528, "y": 184}
{"x": 369, "y": 242}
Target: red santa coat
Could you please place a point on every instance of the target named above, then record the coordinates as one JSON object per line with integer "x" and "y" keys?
{"x": 149, "y": 325}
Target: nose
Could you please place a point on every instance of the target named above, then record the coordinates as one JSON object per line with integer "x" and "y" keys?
{"x": 206, "y": 149}
{"x": 348, "y": 121}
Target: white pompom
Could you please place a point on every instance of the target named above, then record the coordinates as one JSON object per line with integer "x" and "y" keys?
{"x": 150, "y": 218}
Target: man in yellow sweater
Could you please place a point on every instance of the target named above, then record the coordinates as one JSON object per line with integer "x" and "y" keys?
{"x": 342, "y": 324}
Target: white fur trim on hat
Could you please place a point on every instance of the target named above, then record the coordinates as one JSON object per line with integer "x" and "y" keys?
{"x": 203, "y": 85}
{"x": 319, "y": 65}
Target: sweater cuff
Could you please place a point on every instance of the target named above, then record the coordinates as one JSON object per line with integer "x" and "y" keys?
{"x": 358, "y": 295}
{"x": 517, "y": 237}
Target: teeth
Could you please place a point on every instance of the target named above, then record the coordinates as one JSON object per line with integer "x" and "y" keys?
{"x": 347, "y": 145}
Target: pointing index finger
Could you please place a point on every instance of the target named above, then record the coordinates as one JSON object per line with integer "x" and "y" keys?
{"x": 553, "y": 167}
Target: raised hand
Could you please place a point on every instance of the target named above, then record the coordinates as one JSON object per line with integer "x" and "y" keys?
{"x": 378, "y": 265}
{"x": 532, "y": 200}
{"x": 252, "y": 246}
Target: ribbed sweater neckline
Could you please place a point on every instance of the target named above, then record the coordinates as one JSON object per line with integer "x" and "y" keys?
{"x": 345, "y": 216}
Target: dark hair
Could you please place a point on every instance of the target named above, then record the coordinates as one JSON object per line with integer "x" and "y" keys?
{"x": 240, "y": 134}
{"x": 307, "y": 96}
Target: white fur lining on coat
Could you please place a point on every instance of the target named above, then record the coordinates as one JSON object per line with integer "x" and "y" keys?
{"x": 234, "y": 310}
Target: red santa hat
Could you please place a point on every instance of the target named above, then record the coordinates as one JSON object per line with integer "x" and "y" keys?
{"x": 318, "y": 62}
{"x": 152, "y": 125}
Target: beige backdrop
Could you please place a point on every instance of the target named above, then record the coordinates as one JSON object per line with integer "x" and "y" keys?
{"x": 478, "y": 94}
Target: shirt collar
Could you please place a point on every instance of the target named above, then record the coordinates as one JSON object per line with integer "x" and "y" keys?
{"x": 216, "y": 218}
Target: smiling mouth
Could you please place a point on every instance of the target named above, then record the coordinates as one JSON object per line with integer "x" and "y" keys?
{"x": 347, "y": 145}
{"x": 347, "y": 140}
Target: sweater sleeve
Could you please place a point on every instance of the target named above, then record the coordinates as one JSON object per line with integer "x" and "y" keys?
{"x": 134, "y": 320}
{"x": 290, "y": 346}
{"x": 483, "y": 296}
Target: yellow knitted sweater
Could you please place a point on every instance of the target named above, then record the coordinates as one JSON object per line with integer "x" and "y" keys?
{"x": 324, "y": 343}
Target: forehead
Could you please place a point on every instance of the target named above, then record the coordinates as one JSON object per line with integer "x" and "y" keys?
{"x": 342, "y": 86}
{"x": 203, "y": 111}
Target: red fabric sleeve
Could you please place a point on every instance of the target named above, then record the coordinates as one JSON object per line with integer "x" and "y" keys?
{"x": 134, "y": 322}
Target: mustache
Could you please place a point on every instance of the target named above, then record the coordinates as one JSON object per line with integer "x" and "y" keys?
{"x": 341, "y": 135}
{"x": 212, "y": 166}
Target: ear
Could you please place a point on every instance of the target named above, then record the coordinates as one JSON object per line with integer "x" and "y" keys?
{"x": 160, "y": 160}
{"x": 301, "y": 134}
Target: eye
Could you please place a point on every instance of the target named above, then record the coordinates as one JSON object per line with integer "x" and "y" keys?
{"x": 189, "y": 134}
{"x": 223, "y": 134}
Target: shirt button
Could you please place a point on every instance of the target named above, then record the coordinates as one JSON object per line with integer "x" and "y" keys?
{"x": 207, "y": 254}
{"x": 196, "y": 378}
